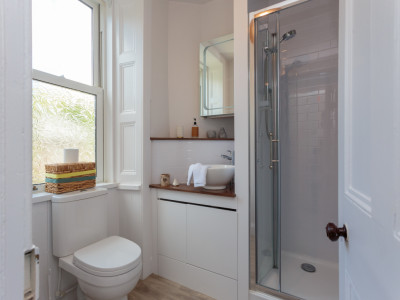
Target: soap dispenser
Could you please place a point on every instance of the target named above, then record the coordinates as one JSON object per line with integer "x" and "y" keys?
{"x": 195, "y": 129}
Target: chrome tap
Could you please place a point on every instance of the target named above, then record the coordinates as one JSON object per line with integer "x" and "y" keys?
{"x": 230, "y": 157}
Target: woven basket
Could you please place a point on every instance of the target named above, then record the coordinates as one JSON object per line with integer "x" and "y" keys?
{"x": 68, "y": 177}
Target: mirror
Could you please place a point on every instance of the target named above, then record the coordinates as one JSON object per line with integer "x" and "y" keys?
{"x": 216, "y": 77}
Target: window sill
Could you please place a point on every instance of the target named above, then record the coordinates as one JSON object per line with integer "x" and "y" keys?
{"x": 107, "y": 185}
{"x": 130, "y": 187}
{"x": 41, "y": 197}
{"x": 38, "y": 197}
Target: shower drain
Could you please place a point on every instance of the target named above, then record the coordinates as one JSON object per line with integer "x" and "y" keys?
{"x": 308, "y": 268}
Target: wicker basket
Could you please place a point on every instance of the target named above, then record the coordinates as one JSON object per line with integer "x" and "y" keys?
{"x": 68, "y": 177}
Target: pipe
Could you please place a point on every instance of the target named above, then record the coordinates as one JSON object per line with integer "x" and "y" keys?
{"x": 59, "y": 292}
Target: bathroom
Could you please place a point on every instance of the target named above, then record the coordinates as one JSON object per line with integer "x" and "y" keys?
{"x": 171, "y": 101}
{"x": 328, "y": 43}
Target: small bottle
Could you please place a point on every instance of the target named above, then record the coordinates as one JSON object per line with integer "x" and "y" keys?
{"x": 195, "y": 129}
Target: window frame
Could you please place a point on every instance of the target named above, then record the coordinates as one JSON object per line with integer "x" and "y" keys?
{"x": 94, "y": 89}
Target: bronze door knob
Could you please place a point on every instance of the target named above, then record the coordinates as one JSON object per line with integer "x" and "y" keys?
{"x": 333, "y": 232}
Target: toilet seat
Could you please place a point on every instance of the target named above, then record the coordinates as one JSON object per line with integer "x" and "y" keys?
{"x": 66, "y": 264}
{"x": 109, "y": 257}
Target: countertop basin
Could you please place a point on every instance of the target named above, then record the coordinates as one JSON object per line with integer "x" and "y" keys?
{"x": 218, "y": 176}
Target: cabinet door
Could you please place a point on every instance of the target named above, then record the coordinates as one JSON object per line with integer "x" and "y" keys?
{"x": 172, "y": 229}
{"x": 212, "y": 239}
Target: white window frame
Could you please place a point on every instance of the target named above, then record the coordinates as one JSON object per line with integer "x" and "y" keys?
{"x": 94, "y": 89}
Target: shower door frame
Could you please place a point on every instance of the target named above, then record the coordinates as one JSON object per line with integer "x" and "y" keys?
{"x": 252, "y": 105}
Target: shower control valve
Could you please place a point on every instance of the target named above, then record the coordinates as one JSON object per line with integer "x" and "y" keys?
{"x": 333, "y": 232}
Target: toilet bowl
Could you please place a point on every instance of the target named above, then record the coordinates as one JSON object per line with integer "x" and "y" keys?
{"x": 106, "y": 270}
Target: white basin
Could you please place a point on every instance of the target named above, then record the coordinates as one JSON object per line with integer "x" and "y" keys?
{"x": 218, "y": 176}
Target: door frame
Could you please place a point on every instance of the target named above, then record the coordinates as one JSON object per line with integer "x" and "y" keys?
{"x": 254, "y": 288}
{"x": 15, "y": 144}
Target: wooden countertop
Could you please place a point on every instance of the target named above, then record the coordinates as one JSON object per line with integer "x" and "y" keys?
{"x": 199, "y": 190}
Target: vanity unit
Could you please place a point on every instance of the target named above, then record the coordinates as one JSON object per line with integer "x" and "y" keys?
{"x": 197, "y": 239}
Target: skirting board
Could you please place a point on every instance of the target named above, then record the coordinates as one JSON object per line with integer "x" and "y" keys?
{"x": 200, "y": 280}
{"x": 253, "y": 295}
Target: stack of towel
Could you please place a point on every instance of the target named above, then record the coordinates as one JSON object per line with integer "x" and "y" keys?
{"x": 199, "y": 173}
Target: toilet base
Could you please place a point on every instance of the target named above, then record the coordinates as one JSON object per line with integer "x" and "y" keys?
{"x": 81, "y": 295}
{"x": 102, "y": 288}
{"x": 108, "y": 293}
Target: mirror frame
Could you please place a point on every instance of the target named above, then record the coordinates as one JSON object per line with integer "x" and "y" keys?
{"x": 203, "y": 89}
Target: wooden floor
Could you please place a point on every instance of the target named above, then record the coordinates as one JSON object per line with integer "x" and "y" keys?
{"x": 155, "y": 287}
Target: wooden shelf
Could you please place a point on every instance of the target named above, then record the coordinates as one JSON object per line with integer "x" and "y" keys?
{"x": 228, "y": 192}
{"x": 188, "y": 139}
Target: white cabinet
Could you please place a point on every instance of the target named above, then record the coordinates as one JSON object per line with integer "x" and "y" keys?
{"x": 212, "y": 239}
{"x": 197, "y": 247}
{"x": 209, "y": 283}
{"x": 171, "y": 228}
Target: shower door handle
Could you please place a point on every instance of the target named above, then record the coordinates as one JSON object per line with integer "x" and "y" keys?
{"x": 333, "y": 232}
{"x": 271, "y": 152}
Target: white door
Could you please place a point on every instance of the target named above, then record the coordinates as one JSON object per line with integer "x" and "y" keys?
{"x": 369, "y": 149}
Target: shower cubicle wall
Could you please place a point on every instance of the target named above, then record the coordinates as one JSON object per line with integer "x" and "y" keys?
{"x": 294, "y": 78}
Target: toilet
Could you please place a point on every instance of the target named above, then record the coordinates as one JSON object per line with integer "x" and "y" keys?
{"x": 106, "y": 267}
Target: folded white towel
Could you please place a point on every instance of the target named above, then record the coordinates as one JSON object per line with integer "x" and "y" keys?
{"x": 199, "y": 173}
{"x": 190, "y": 173}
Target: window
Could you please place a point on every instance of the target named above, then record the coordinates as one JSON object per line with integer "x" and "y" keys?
{"x": 67, "y": 102}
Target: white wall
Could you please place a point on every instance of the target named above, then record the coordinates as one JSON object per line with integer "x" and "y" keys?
{"x": 242, "y": 122}
{"x": 159, "y": 68}
{"x": 147, "y": 230}
{"x": 175, "y": 69}
{"x": 130, "y": 215}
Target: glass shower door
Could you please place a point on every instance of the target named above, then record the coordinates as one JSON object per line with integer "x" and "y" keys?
{"x": 266, "y": 167}
{"x": 295, "y": 149}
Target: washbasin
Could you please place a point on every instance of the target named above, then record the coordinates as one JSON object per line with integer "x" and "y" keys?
{"x": 218, "y": 176}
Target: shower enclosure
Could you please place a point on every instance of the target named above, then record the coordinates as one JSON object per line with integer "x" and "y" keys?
{"x": 294, "y": 77}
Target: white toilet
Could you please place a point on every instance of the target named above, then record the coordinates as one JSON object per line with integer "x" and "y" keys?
{"x": 107, "y": 268}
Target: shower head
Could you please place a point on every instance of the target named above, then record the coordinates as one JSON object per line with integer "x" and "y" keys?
{"x": 288, "y": 35}
{"x": 285, "y": 37}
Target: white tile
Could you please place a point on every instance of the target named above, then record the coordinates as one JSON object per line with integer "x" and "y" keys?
{"x": 308, "y": 108}
{"x": 314, "y": 116}
{"x": 175, "y": 157}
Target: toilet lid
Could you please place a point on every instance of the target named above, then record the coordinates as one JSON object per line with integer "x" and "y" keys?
{"x": 111, "y": 256}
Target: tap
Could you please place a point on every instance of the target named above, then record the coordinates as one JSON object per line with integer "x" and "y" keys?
{"x": 230, "y": 157}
